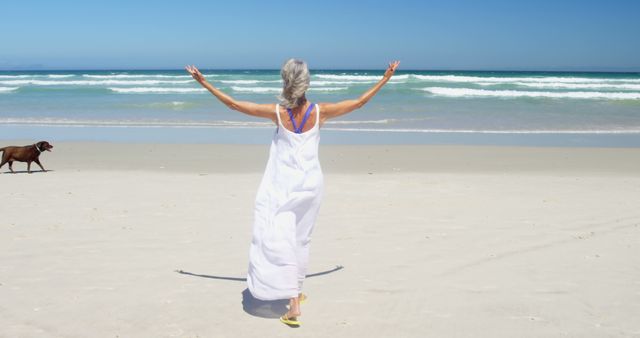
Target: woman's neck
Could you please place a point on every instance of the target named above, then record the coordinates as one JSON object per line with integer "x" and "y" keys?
{"x": 300, "y": 107}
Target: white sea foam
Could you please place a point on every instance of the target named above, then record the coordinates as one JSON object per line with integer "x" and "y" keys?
{"x": 91, "y": 82}
{"x": 346, "y": 83}
{"x": 546, "y": 79}
{"x": 138, "y": 76}
{"x": 256, "y": 89}
{"x": 556, "y": 85}
{"x": 327, "y": 89}
{"x": 348, "y": 77}
{"x": 313, "y": 83}
{"x": 219, "y": 123}
{"x": 468, "y": 92}
{"x": 261, "y": 124}
{"x": 358, "y": 77}
{"x": 20, "y": 82}
{"x": 7, "y": 89}
{"x": 341, "y": 122}
{"x": 139, "y": 82}
{"x": 160, "y": 90}
{"x": 399, "y": 77}
{"x": 249, "y": 81}
{"x": 133, "y": 123}
{"x": 278, "y": 90}
{"x": 15, "y": 76}
{"x": 479, "y": 131}
{"x": 28, "y": 76}
{"x": 329, "y": 83}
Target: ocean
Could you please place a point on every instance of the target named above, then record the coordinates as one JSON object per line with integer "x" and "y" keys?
{"x": 415, "y": 107}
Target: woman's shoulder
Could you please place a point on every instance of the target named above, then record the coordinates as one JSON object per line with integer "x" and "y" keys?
{"x": 322, "y": 105}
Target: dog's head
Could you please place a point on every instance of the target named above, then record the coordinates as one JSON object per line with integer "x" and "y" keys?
{"x": 44, "y": 145}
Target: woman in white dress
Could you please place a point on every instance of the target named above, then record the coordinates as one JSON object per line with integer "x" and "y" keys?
{"x": 290, "y": 193}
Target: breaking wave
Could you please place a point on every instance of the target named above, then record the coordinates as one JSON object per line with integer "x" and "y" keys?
{"x": 546, "y": 79}
{"x": 469, "y": 92}
{"x": 137, "y": 76}
{"x": 92, "y": 82}
{"x": 159, "y": 90}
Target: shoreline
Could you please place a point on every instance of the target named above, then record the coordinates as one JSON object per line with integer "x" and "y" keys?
{"x": 238, "y": 158}
{"x": 330, "y": 136}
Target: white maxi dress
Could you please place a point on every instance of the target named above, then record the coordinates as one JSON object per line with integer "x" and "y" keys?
{"x": 287, "y": 204}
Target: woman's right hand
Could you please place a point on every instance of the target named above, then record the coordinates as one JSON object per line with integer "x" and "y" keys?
{"x": 392, "y": 69}
{"x": 195, "y": 73}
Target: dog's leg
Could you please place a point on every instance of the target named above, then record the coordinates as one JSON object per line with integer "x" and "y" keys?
{"x": 2, "y": 163}
{"x": 29, "y": 167}
{"x": 11, "y": 166}
{"x": 38, "y": 163}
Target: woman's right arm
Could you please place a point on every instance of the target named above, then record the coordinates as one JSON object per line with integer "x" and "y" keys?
{"x": 331, "y": 110}
{"x": 249, "y": 108}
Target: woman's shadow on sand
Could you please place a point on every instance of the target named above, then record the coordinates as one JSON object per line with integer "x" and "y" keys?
{"x": 257, "y": 307}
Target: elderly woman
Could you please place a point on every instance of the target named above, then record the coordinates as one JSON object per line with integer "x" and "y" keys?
{"x": 290, "y": 193}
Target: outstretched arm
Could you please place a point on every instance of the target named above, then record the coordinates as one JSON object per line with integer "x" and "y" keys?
{"x": 331, "y": 110}
{"x": 249, "y": 108}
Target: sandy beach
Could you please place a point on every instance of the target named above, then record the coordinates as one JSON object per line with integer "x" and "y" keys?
{"x": 151, "y": 240}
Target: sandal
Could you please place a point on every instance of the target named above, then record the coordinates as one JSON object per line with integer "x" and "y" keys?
{"x": 290, "y": 321}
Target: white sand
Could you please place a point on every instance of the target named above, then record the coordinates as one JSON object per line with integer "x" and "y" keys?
{"x": 435, "y": 242}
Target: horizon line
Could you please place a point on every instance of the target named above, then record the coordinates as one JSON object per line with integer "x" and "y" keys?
{"x": 547, "y": 70}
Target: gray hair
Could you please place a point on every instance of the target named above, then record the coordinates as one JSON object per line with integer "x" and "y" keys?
{"x": 296, "y": 79}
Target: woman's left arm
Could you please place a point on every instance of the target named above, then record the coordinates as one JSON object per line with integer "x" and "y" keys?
{"x": 249, "y": 108}
{"x": 331, "y": 110}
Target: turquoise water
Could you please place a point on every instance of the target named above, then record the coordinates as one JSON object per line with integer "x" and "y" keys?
{"x": 458, "y": 107}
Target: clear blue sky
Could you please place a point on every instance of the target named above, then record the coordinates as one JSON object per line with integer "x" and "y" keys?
{"x": 464, "y": 34}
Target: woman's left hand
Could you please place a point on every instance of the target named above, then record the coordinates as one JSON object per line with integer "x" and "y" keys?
{"x": 392, "y": 69}
{"x": 195, "y": 73}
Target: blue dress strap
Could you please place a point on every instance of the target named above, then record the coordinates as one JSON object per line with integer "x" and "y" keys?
{"x": 296, "y": 129}
{"x": 293, "y": 121}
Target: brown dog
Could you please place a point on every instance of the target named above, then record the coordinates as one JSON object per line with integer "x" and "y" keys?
{"x": 24, "y": 154}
